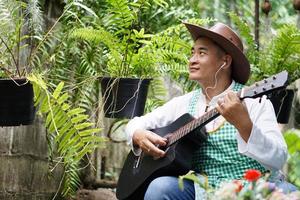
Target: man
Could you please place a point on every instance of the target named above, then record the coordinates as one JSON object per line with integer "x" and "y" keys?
{"x": 245, "y": 136}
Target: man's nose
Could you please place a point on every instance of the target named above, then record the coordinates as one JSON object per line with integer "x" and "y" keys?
{"x": 193, "y": 60}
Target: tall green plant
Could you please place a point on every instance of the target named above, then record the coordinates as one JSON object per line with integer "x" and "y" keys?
{"x": 64, "y": 60}
{"x": 122, "y": 37}
{"x": 70, "y": 132}
{"x": 158, "y": 54}
{"x": 21, "y": 25}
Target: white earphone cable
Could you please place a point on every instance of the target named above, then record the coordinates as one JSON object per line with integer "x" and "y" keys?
{"x": 215, "y": 81}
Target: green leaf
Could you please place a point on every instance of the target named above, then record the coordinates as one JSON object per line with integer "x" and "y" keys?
{"x": 58, "y": 89}
{"x": 292, "y": 138}
{"x": 190, "y": 176}
{"x": 63, "y": 98}
{"x": 79, "y": 118}
{"x": 83, "y": 125}
{"x": 64, "y": 124}
{"x": 75, "y": 111}
{"x": 89, "y": 132}
{"x": 86, "y": 9}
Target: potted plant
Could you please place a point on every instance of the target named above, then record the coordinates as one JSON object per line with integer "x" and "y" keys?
{"x": 132, "y": 56}
{"x": 70, "y": 133}
{"x": 16, "y": 101}
{"x": 280, "y": 52}
{"x": 127, "y": 74}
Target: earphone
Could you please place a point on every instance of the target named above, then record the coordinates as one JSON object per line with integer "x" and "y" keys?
{"x": 216, "y": 80}
{"x": 222, "y": 65}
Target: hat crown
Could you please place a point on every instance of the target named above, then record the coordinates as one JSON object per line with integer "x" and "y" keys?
{"x": 228, "y": 33}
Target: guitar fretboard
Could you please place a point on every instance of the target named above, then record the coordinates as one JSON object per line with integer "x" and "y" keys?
{"x": 189, "y": 127}
{"x": 199, "y": 122}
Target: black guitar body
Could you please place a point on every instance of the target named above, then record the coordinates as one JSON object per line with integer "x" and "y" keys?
{"x": 137, "y": 175}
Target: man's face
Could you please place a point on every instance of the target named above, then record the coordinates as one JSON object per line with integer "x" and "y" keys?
{"x": 206, "y": 59}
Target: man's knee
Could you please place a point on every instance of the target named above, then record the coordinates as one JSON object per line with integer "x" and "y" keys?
{"x": 286, "y": 187}
{"x": 166, "y": 187}
{"x": 158, "y": 188}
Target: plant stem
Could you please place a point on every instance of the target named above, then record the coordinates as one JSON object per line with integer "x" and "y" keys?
{"x": 18, "y": 47}
{"x": 46, "y": 35}
{"x": 123, "y": 63}
{"x": 126, "y": 66}
{"x": 12, "y": 55}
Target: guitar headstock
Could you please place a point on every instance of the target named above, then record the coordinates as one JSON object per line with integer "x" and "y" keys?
{"x": 268, "y": 85}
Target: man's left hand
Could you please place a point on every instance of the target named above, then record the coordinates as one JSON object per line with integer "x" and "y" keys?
{"x": 235, "y": 112}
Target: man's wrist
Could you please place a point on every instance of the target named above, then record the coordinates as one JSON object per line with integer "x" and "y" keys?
{"x": 245, "y": 129}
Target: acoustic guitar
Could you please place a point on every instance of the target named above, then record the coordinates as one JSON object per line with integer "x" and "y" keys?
{"x": 184, "y": 136}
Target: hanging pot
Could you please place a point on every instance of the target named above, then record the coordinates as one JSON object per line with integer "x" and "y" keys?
{"x": 124, "y": 97}
{"x": 16, "y": 102}
{"x": 282, "y": 101}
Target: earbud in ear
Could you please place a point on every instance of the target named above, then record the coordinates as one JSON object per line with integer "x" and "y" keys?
{"x": 223, "y": 65}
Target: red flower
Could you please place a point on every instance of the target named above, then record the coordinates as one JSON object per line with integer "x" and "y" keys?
{"x": 252, "y": 175}
{"x": 239, "y": 186}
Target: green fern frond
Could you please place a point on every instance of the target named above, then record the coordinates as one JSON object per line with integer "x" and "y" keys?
{"x": 7, "y": 14}
{"x": 100, "y": 36}
{"x": 281, "y": 53}
{"x": 156, "y": 94}
{"x": 285, "y": 50}
{"x": 34, "y": 16}
{"x": 74, "y": 135}
{"x": 120, "y": 15}
{"x": 245, "y": 32}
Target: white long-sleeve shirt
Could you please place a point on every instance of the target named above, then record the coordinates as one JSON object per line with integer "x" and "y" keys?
{"x": 265, "y": 144}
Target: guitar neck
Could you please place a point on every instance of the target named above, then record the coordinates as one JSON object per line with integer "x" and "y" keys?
{"x": 189, "y": 127}
{"x": 199, "y": 122}
{"x": 260, "y": 88}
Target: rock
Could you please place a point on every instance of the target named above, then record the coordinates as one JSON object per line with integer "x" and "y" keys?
{"x": 99, "y": 194}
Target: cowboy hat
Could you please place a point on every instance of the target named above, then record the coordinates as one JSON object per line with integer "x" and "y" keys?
{"x": 228, "y": 40}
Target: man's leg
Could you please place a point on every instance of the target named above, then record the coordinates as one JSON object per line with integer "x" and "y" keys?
{"x": 166, "y": 188}
{"x": 286, "y": 187}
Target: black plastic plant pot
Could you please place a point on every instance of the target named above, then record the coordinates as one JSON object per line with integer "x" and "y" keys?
{"x": 282, "y": 101}
{"x": 16, "y": 102}
{"x": 124, "y": 97}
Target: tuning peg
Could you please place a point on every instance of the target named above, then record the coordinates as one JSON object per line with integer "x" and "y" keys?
{"x": 259, "y": 99}
{"x": 272, "y": 86}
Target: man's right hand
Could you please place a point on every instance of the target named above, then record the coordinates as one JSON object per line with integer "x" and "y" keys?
{"x": 148, "y": 142}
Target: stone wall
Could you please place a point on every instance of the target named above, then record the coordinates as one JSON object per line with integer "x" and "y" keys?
{"x": 24, "y": 167}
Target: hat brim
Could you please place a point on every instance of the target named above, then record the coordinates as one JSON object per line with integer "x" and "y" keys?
{"x": 240, "y": 64}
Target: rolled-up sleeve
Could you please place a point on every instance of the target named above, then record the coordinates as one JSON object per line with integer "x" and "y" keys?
{"x": 266, "y": 143}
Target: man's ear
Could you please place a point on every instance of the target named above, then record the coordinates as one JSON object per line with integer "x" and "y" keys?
{"x": 228, "y": 60}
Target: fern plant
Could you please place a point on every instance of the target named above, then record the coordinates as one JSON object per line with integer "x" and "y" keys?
{"x": 21, "y": 25}
{"x": 120, "y": 35}
{"x": 280, "y": 52}
{"x": 154, "y": 55}
{"x": 72, "y": 134}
